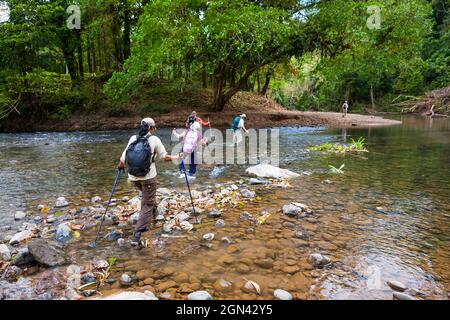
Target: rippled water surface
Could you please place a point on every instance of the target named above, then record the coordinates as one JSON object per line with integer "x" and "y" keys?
{"x": 406, "y": 173}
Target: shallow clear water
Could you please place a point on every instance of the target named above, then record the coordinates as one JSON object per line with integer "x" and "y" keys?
{"x": 406, "y": 172}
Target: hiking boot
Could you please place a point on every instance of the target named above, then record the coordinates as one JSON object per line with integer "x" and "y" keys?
{"x": 136, "y": 239}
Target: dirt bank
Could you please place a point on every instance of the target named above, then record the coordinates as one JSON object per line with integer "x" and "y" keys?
{"x": 261, "y": 112}
{"x": 218, "y": 120}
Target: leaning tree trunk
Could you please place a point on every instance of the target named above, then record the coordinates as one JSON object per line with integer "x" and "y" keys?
{"x": 218, "y": 85}
{"x": 265, "y": 88}
{"x": 221, "y": 98}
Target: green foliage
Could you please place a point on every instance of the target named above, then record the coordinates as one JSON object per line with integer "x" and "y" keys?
{"x": 353, "y": 58}
{"x": 154, "y": 108}
{"x": 315, "y": 53}
{"x": 359, "y": 144}
{"x": 355, "y": 146}
{"x": 217, "y": 36}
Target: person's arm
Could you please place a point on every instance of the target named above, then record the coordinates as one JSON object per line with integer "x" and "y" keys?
{"x": 161, "y": 153}
{"x": 203, "y": 123}
{"x": 178, "y": 136}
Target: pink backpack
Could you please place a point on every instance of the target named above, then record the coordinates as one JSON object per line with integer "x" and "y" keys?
{"x": 190, "y": 141}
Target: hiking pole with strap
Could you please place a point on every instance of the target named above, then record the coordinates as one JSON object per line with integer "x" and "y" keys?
{"x": 94, "y": 244}
{"x": 189, "y": 188}
{"x": 210, "y": 133}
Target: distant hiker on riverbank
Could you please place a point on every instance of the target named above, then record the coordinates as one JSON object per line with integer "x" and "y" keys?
{"x": 192, "y": 138}
{"x": 139, "y": 158}
{"x": 238, "y": 126}
{"x": 344, "y": 109}
{"x": 194, "y": 118}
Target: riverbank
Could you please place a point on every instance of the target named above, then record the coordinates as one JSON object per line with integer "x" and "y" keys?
{"x": 219, "y": 120}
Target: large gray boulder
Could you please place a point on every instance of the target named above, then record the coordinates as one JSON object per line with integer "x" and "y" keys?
{"x": 269, "y": 171}
{"x": 47, "y": 253}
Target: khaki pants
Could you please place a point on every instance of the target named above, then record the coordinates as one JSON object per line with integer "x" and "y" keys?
{"x": 148, "y": 204}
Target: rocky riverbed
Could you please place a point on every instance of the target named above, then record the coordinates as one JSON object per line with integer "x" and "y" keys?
{"x": 227, "y": 247}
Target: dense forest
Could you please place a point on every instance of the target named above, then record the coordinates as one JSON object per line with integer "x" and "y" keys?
{"x": 305, "y": 54}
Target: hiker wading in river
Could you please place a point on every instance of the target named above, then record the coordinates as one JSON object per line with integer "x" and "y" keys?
{"x": 238, "y": 126}
{"x": 139, "y": 157}
{"x": 194, "y": 118}
{"x": 192, "y": 138}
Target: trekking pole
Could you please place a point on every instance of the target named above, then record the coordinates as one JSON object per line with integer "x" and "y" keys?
{"x": 94, "y": 244}
{"x": 210, "y": 133}
{"x": 189, "y": 188}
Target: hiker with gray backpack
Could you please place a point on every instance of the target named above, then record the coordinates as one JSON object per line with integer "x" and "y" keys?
{"x": 139, "y": 157}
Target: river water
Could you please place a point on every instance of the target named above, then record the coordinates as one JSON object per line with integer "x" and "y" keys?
{"x": 386, "y": 218}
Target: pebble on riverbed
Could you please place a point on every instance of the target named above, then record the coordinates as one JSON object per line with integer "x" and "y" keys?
{"x": 61, "y": 202}
{"x": 200, "y": 295}
{"x": 397, "y": 285}
{"x": 5, "y": 254}
{"x": 318, "y": 260}
{"x": 282, "y": 294}
{"x": 19, "y": 215}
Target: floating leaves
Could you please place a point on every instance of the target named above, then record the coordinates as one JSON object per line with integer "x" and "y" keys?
{"x": 336, "y": 170}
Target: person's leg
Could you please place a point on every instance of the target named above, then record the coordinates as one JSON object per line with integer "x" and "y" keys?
{"x": 148, "y": 207}
{"x": 192, "y": 164}
{"x": 238, "y": 136}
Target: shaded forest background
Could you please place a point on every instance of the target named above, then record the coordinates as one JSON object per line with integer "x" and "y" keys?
{"x": 136, "y": 57}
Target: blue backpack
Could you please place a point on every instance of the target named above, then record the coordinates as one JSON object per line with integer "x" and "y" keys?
{"x": 235, "y": 123}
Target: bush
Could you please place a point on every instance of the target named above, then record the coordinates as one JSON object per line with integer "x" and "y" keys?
{"x": 153, "y": 108}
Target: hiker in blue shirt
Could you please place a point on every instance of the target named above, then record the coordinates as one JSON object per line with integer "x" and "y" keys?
{"x": 238, "y": 126}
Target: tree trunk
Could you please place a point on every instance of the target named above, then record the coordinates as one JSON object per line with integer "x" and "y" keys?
{"x": 218, "y": 82}
{"x": 80, "y": 55}
{"x": 99, "y": 53}
{"x": 94, "y": 58}
{"x": 221, "y": 98}
{"x": 233, "y": 77}
{"x": 258, "y": 81}
{"x": 126, "y": 31}
{"x": 89, "y": 60}
{"x": 105, "y": 53}
{"x": 204, "y": 84}
{"x": 265, "y": 88}
{"x": 71, "y": 64}
{"x": 372, "y": 97}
